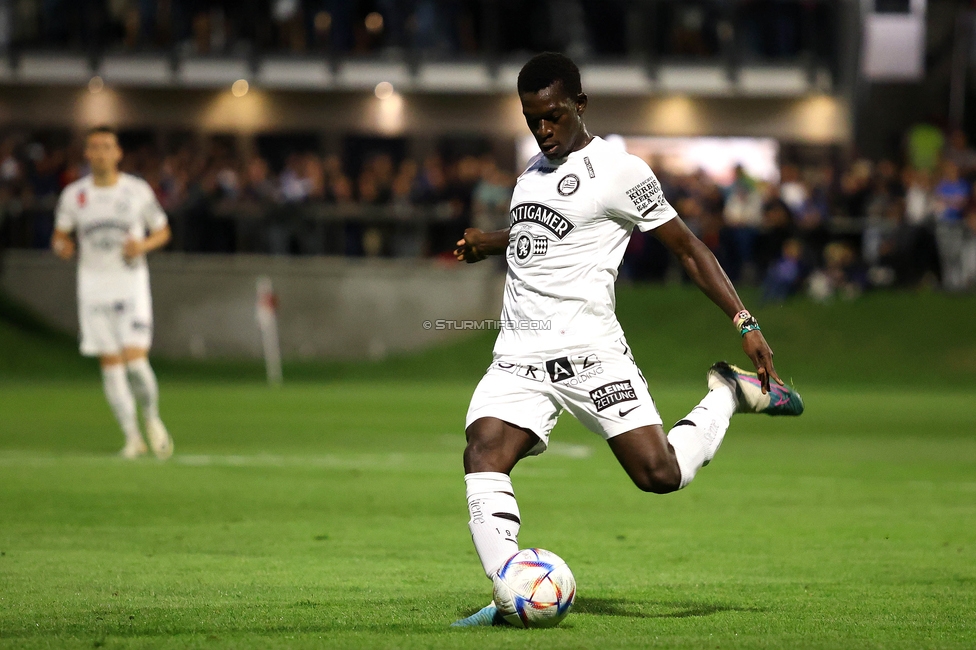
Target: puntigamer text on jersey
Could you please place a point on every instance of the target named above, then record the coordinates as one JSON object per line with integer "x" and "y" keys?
{"x": 545, "y": 216}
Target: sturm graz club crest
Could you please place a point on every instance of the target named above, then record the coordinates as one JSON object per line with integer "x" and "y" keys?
{"x": 527, "y": 247}
{"x": 568, "y": 184}
{"x": 531, "y": 217}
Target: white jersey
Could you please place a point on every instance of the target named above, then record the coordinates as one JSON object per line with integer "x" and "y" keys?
{"x": 571, "y": 220}
{"x": 103, "y": 218}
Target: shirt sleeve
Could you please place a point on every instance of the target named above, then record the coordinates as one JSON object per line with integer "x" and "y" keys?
{"x": 65, "y": 214}
{"x": 635, "y": 195}
{"x": 153, "y": 214}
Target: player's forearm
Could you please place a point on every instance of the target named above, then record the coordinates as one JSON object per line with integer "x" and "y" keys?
{"x": 62, "y": 244}
{"x": 494, "y": 243}
{"x": 157, "y": 240}
{"x": 705, "y": 271}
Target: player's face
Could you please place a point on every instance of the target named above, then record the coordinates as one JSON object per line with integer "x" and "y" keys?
{"x": 555, "y": 119}
{"x": 102, "y": 152}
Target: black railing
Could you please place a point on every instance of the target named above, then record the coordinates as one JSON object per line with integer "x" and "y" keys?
{"x": 313, "y": 228}
{"x": 398, "y": 229}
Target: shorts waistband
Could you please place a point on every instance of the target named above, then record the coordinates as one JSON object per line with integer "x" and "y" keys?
{"x": 555, "y": 369}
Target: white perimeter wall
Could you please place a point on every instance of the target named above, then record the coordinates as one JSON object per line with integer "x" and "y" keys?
{"x": 329, "y": 307}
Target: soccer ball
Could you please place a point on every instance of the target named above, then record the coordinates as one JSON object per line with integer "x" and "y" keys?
{"x": 534, "y": 588}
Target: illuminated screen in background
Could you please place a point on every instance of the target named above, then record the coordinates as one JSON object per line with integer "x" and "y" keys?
{"x": 717, "y": 157}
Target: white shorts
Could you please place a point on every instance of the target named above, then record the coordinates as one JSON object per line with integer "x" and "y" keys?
{"x": 601, "y": 387}
{"x": 108, "y": 327}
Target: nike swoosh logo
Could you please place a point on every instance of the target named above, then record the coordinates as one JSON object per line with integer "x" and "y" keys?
{"x": 622, "y": 413}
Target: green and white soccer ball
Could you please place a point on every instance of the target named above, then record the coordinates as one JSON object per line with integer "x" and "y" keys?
{"x": 534, "y": 588}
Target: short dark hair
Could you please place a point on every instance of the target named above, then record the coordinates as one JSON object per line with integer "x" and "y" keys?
{"x": 545, "y": 69}
{"x": 102, "y": 128}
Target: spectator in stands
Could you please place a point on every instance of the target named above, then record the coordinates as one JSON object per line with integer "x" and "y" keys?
{"x": 951, "y": 193}
{"x": 743, "y": 217}
{"x": 44, "y": 171}
{"x": 919, "y": 198}
{"x": 883, "y": 243}
{"x": 258, "y": 186}
{"x": 11, "y": 169}
{"x": 824, "y": 192}
{"x": 337, "y": 186}
{"x": 785, "y": 274}
{"x": 841, "y": 275}
{"x": 314, "y": 175}
{"x": 293, "y": 184}
{"x": 492, "y": 197}
{"x": 76, "y": 166}
{"x": 969, "y": 247}
{"x": 925, "y": 143}
{"x": 367, "y": 186}
{"x": 960, "y": 153}
{"x": 431, "y": 189}
{"x": 407, "y": 240}
{"x": 711, "y": 204}
{"x": 462, "y": 177}
{"x": 855, "y": 188}
{"x": 888, "y": 177}
{"x": 174, "y": 179}
{"x": 384, "y": 173}
{"x": 886, "y": 191}
{"x": 210, "y": 189}
{"x": 792, "y": 190}
{"x": 403, "y": 182}
{"x": 777, "y": 228}
{"x": 431, "y": 185}
{"x": 813, "y": 231}
{"x": 921, "y": 254}
{"x": 227, "y": 179}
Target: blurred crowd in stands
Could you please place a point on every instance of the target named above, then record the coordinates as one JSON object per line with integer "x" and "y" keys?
{"x": 830, "y": 230}
{"x": 836, "y": 230}
{"x": 758, "y": 28}
{"x": 221, "y": 199}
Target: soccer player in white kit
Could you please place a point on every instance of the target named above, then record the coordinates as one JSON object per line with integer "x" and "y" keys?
{"x": 109, "y": 214}
{"x": 561, "y": 347}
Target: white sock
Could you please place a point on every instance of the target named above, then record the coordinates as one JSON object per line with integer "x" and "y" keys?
{"x": 144, "y": 386}
{"x": 698, "y": 436}
{"x": 120, "y": 398}
{"x": 495, "y": 518}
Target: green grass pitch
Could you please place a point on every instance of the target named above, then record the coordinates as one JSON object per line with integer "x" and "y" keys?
{"x": 331, "y": 514}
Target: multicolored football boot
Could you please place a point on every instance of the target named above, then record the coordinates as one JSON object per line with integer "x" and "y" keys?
{"x": 484, "y": 617}
{"x": 780, "y": 400}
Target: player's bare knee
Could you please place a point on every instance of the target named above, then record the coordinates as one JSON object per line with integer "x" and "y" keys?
{"x": 659, "y": 478}
{"x": 484, "y": 450}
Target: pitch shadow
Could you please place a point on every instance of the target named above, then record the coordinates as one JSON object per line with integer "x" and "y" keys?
{"x": 653, "y": 609}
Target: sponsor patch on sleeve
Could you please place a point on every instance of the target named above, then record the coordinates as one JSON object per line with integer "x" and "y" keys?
{"x": 646, "y": 196}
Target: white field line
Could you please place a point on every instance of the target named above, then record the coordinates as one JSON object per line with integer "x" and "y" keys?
{"x": 434, "y": 462}
{"x": 327, "y": 461}
{"x": 555, "y": 448}
{"x": 426, "y": 461}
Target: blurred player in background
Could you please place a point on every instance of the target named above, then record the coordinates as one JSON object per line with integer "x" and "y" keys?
{"x": 109, "y": 214}
{"x": 572, "y": 215}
